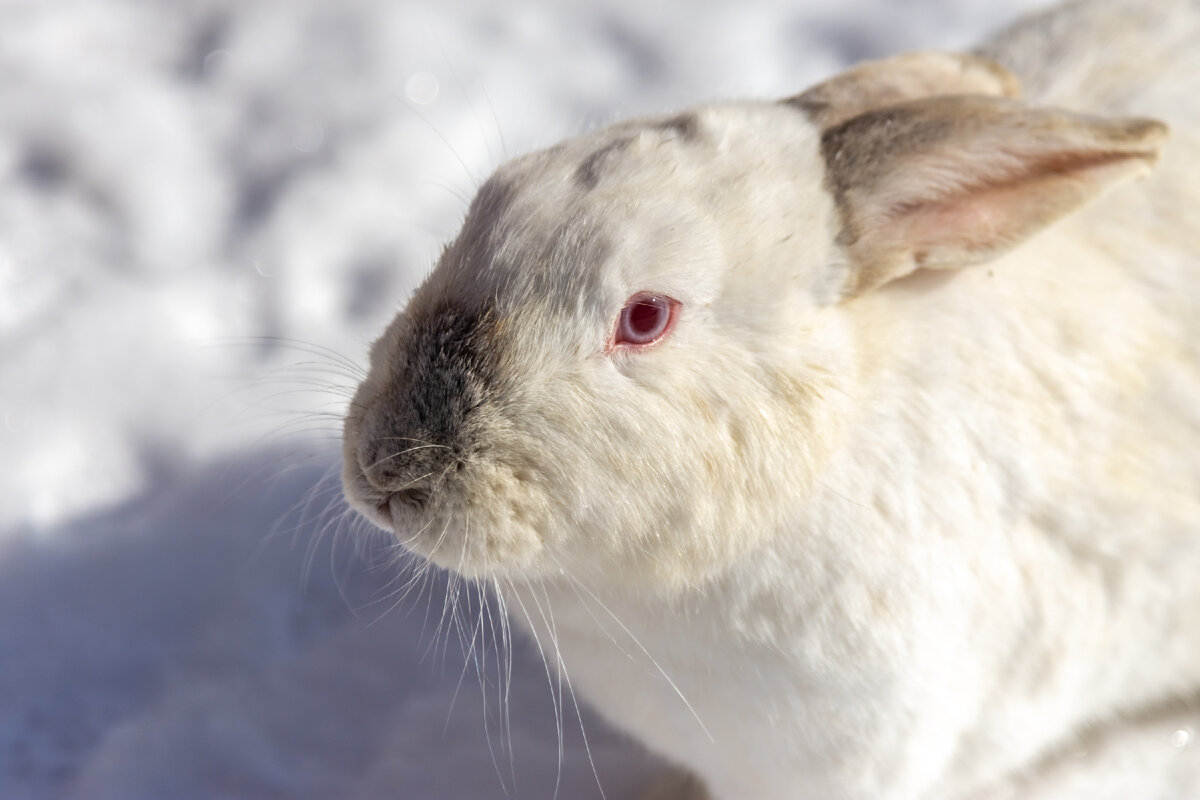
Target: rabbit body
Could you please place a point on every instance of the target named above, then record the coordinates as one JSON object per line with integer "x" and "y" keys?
{"x": 861, "y": 526}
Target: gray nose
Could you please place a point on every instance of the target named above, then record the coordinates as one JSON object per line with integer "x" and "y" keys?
{"x": 427, "y": 419}
{"x": 395, "y": 465}
{"x": 415, "y": 497}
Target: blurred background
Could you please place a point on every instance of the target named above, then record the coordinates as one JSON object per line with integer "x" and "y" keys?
{"x": 208, "y": 209}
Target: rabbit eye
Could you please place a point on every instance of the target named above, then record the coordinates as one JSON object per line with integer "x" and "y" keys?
{"x": 645, "y": 319}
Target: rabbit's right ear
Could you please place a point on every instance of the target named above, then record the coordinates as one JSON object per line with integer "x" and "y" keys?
{"x": 933, "y": 163}
{"x": 947, "y": 182}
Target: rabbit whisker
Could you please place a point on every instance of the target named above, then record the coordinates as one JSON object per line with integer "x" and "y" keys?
{"x": 562, "y": 665}
{"x": 504, "y": 671}
{"x": 578, "y": 585}
{"x": 555, "y": 699}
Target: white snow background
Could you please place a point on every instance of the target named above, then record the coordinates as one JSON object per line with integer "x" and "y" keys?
{"x": 208, "y": 208}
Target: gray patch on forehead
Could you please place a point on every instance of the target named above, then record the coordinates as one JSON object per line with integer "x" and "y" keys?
{"x": 686, "y": 126}
{"x": 592, "y": 167}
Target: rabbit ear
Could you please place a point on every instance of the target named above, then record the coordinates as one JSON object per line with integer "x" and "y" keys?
{"x": 908, "y": 76}
{"x": 950, "y": 181}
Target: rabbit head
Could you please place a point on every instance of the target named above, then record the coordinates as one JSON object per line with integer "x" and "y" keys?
{"x": 634, "y": 358}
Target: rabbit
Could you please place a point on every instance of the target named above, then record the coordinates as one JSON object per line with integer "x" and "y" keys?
{"x": 839, "y": 446}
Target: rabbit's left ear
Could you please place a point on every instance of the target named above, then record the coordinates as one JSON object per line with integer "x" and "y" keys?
{"x": 943, "y": 182}
{"x": 899, "y": 78}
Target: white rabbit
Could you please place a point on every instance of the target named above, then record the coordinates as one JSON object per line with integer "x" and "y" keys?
{"x": 837, "y": 447}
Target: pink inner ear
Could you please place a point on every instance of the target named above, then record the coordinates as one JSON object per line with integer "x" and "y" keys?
{"x": 952, "y": 181}
{"x": 976, "y": 223}
{"x": 968, "y": 230}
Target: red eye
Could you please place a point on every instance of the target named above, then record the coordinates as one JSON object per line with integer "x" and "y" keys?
{"x": 645, "y": 319}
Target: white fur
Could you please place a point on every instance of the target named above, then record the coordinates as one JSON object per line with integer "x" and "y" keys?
{"x": 900, "y": 546}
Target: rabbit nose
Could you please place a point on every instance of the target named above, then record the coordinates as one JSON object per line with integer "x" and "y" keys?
{"x": 426, "y": 422}
{"x": 392, "y": 469}
{"x": 415, "y": 497}
{"x": 412, "y": 498}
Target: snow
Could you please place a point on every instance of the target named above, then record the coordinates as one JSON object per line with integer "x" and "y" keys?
{"x": 207, "y": 211}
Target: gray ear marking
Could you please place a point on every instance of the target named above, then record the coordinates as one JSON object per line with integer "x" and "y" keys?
{"x": 933, "y": 162}
{"x": 946, "y": 182}
{"x": 859, "y": 152}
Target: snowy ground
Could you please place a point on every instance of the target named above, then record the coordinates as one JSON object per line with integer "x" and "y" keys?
{"x": 207, "y": 209}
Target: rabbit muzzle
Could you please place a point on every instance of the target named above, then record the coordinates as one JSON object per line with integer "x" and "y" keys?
{"x": 418, "y": 462}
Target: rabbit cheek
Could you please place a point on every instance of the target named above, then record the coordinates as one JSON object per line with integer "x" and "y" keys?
{"x": 502, "y": 522}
